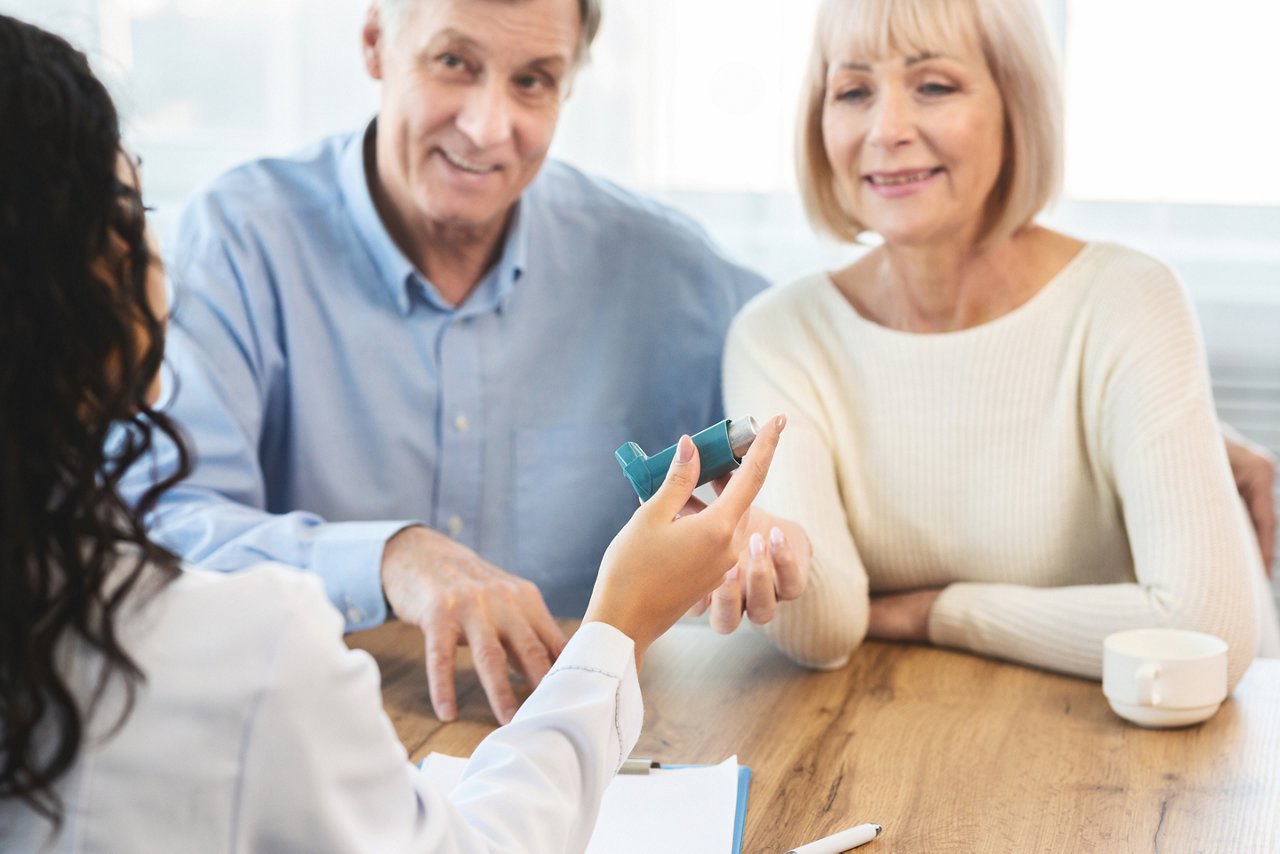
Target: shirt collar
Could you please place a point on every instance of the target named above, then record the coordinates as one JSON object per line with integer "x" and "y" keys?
{"x": 397, "y": 271}
{"x": 394, "y": 269}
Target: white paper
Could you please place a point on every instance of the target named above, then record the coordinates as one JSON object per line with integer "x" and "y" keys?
{"x": 670, "y": 810}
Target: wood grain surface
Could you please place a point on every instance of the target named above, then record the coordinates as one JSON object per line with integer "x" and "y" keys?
{"x": 948, "y": 751}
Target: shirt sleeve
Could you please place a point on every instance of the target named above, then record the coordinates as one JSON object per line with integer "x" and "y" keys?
{"x": 324, "y": 771}
{"x": 224, "y": 377}
{"x": 1148, "y": 403}
{"x": 828, "y": 621}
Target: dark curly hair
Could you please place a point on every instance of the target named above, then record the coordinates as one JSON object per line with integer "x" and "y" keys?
{"x": 80, "y": 346}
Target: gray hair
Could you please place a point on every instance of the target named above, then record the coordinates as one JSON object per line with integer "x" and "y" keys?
{"x": 394, "y": 12}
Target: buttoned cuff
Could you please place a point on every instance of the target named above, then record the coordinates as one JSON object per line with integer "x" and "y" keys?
{"x": 347, "y": 556}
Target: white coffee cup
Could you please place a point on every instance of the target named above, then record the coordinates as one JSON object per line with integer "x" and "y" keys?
{"x": 1164, "y": 677}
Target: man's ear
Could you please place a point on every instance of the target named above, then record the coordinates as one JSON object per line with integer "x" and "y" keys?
{"x": 371, "y": 38}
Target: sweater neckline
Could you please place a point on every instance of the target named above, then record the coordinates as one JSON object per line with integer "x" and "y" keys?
{"x": 1040, "y": 297}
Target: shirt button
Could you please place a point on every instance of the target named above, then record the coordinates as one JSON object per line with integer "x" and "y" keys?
{"x": 455, "y": 525}
{"x": 354, "y": 615}
{"x": 461, "y": 424}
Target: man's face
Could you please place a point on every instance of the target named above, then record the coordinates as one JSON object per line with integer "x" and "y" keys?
{"x": 471, "y": 91}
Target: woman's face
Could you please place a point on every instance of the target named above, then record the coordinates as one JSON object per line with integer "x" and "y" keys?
{"x": 915, "y": 142}
{"x": 127, "y": 171}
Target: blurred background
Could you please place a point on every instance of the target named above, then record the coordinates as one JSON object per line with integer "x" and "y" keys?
{"x": 1172, "y": 129}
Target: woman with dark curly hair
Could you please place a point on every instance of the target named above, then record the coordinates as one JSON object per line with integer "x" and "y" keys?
{"x": 148, "y": 706}
{"x": 80, "y": 347}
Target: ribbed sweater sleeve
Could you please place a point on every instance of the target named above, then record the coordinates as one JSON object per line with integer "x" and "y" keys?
{"x": 829, "y": 621}
{"x": 1147, "y": 402}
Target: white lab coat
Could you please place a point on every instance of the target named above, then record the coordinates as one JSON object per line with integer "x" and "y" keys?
{"x": 258, "y": 730}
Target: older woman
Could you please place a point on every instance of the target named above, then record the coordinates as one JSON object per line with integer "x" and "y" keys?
{"x": 1002, "y": 438}
{"x": 148, "y": 706}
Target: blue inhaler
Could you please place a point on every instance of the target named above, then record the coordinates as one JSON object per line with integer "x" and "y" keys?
{"x": 720, "y": 450}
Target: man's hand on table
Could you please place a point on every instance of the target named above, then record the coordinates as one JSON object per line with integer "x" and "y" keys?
{"x": 456, "y": 597}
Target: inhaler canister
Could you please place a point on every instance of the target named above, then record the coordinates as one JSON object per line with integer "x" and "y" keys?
{"x": 720, "y": 450}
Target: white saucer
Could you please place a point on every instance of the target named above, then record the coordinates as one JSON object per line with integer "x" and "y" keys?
{"x": 1158, "y": 718}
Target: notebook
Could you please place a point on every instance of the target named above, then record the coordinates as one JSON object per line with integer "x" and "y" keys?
{"x": 673, "y": 809}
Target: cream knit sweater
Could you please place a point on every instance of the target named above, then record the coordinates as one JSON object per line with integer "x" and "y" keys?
{"x": 1059, "y": 470}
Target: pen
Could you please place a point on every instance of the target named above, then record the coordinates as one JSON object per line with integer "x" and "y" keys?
{"x": 638, "y": 765}
{"x": 842, "y": 841}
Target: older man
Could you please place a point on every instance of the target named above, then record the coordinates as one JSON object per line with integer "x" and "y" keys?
{"x": 406, "y": 355}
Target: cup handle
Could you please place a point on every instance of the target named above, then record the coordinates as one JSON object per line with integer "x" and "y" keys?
{"x": 1148, "y": 689}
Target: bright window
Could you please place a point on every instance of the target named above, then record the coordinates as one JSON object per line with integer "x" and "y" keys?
{"x": 1173, "y": 101}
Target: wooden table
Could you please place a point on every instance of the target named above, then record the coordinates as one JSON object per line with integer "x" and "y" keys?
{"x": 949, "y": 752}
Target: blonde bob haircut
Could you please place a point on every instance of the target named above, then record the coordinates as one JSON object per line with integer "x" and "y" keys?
{"x": 1010, "y": 34}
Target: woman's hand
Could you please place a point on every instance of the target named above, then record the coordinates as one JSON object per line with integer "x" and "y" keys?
{"x": 902, "y": 616}
{"x": 773, "y": 567}
{"x": 675, "y": 551}
{"x": 1254, "y": 469}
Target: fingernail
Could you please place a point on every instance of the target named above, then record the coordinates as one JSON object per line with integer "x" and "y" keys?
{"x": 780, "y": 422}
{"x": 756, "y": 544}
{"x": 731, "y": 575}
{"x": 447, "y": 712}
{"x": 684, "y": 450}
{"x": 776, "y": 537}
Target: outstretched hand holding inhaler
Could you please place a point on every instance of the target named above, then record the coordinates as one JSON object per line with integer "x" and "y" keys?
{"x": 676, "y": 550}
{"x": 774, "y": 556}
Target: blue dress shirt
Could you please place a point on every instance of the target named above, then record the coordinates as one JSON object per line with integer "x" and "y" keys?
{"x": 332, "y": 397}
